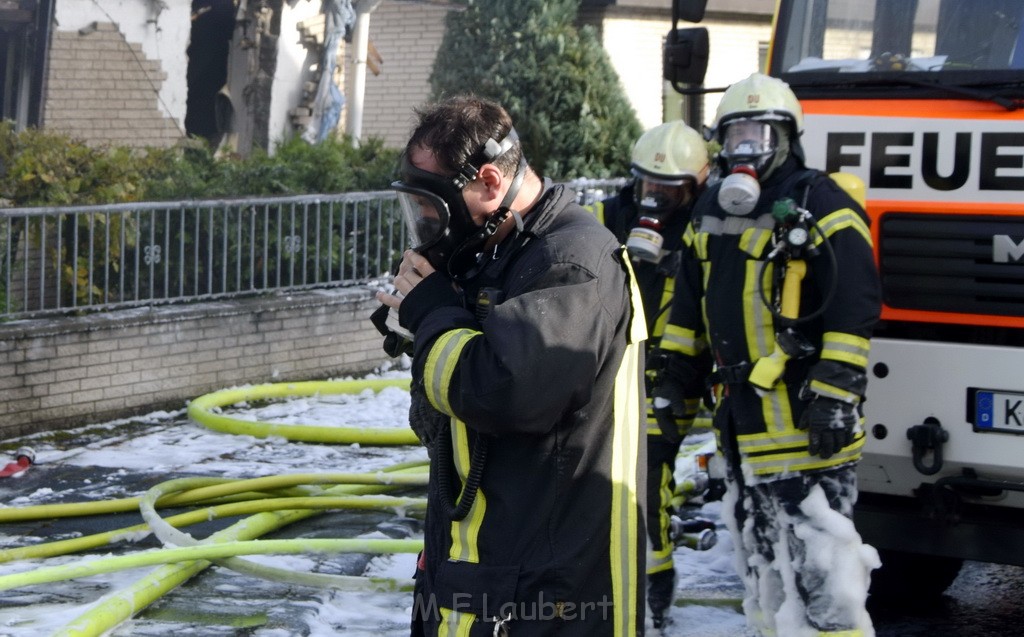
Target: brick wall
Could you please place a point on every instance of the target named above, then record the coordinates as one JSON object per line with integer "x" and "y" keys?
{"x": 70, "y": 371}
{"x": 407, "y": 36}
{"x": 102, "y": 89}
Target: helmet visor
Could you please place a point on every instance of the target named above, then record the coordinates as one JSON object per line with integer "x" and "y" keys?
{"x": 425, "y": 214}
{"x": 662, "y": 194}
{"x": 748, "y": 139}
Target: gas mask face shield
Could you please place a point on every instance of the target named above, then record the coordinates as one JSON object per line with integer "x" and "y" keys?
{"x": 749, "y": 142}
{"x": 439, "y": 222}
{"x": 658, "y": 200}
{"x": 748, "y": 148}
{"x": 434, "y": 212}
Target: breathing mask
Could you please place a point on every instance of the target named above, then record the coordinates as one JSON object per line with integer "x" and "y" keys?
{"x": 440, "y": 225}
{"x": 749, "y": 147}
{"x": 657, "y": 199}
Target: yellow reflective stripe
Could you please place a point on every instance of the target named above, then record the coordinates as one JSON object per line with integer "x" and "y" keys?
{"x": 846, "y": 348}
{"x": 759, "y": 328}
{"x": 689, "y": 235}
{"x": 700, "y": 245}
{"x": 774, "y": 464}
{"x": 653, "y": 428}
{"x": 455, "y": 624}
{"x": 661, "y": 560}
{"x": 840, "y": 219}
{"x": 682, "y": 340}
{"x": 656, "y": 562}
{"x": 841, "y": 633}
{"x": 465, "y": 532}
{"x": 624, "y": 521}
{"x": 597, "y": 209}
{"x": 638, "y": 322}
{"x": 706, "y": 270}
{"x": 440, "y": 365}
{"x": 831, "y": 391}
{"x": 757, "y": 319}
{"x": 666, "y": 301}
{"x": 776, "y": 409}
{"x": 754, "y": 443}
{"x": 753, "y": 240}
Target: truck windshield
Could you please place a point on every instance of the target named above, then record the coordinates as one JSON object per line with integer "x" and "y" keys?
{"x": 955, "y": 41}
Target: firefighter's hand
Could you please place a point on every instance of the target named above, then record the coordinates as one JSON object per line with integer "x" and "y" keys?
{"x": 411, "y": 272}
{"x": 673, "y": 381}
{"x": 673, "y": 421}
{"x": 829, "y": 424}
{"x": 413, "y": 268}
{"x": 419, "y": 290}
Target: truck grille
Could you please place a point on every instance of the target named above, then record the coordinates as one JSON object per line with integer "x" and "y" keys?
{"x": 944, "y": 263}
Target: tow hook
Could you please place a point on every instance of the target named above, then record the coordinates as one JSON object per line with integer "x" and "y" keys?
{"x": 928, "y": 436}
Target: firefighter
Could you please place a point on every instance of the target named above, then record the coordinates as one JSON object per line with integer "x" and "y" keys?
{"x": 670, "y": 167}
{"x": 527, "y": 390}
{"x": 779, "y": 284}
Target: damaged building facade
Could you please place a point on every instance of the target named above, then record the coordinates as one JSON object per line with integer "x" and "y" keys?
{"x": 244, "y": 74}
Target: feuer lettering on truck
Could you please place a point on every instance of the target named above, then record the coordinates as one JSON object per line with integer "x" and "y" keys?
{"x": 923, "y": 159}
{"x": 896, "y": 150}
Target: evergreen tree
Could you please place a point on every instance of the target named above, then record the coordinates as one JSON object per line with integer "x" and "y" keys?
{"x": 554, "y": 79}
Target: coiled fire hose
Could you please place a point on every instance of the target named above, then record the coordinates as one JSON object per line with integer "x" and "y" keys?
{"x": 274, "y": 502}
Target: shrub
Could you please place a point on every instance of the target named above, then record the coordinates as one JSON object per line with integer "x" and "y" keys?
{"x": 554, "y": 79}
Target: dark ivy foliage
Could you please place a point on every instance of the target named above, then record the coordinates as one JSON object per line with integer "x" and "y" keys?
{"x": 45, "y": 168}
{"x": 554, "y": 78}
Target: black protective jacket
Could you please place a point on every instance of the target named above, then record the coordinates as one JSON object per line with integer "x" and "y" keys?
{"x": 719, "y": 303}
{"x": 657, "y": 286}
{"x": 548, "y": 380}
{"x": 619, "y": 214}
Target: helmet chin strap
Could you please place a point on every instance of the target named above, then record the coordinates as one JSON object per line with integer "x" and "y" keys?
{"x": 475, "y": 241}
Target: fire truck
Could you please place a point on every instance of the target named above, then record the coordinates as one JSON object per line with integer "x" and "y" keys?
{"x": 923, "y": 101}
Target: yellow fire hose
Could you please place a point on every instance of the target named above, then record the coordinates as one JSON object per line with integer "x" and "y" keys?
{"x": 275, "y": 501}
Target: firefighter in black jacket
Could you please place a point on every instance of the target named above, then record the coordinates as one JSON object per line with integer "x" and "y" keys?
{"x": 528, "y": 338}
{"x": 779, "y": 284}
{"x": 670, "y": 167}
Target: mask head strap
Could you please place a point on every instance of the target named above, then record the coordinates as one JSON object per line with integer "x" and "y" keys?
{"x": 491, "y": 151}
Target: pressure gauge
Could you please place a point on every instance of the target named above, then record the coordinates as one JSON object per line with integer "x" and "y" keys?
{"x": 797, "y": 236}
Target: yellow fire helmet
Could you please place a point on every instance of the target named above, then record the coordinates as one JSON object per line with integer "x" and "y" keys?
{"x": 761, "y": 97}
{"x": 671, "y": 153}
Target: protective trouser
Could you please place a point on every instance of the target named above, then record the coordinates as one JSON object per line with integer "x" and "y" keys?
{"x": 797, "y": 533}
{"x": 661, "y": 458}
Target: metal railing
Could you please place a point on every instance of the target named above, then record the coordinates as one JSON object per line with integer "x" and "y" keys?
{"x": 89, "y": 258}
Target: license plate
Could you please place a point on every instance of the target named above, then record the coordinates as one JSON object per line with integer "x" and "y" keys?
{"x": 999, "y": 411}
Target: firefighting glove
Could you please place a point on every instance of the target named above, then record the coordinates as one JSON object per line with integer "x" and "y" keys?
{"x": 674, "y": 380}
{"x": 425, "y": 421}
{"x": 829, "y": 424}
{"x": 394, "y": 344}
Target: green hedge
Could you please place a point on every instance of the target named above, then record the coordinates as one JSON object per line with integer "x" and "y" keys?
{"x": 43, "y": 168}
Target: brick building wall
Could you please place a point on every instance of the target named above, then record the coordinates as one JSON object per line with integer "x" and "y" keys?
{"x": 407, "y": 36}
{"x": 71, "y": 371}
{"x": 102, "y": 89}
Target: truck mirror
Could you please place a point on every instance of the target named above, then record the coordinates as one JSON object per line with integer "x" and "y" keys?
{"x": 689, "y": 10}
{"x": 686, "y": 56}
